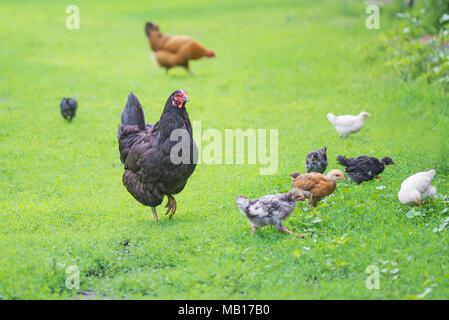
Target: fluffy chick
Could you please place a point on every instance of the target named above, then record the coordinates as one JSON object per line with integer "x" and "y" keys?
{"x": 316, "y": 161}
{"x": 68, "y": 108}
{"x": 316, "y": 186}
{"x": 364, "y": 168}
{"x": 348, "y": 124}
{"x": 417, "y": 187}
{"x": 270, "y": 209}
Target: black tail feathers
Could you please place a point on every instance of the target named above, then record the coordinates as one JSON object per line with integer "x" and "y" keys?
{"x": 133, "y": 113}
{"x": 133, "y": 123}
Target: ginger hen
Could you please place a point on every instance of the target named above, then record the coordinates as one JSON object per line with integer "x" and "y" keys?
{"x": 146, "y": 151}
{"x": 316, "y": 186}
{"x": 171, "y": 51}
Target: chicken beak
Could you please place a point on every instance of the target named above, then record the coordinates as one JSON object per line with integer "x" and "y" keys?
{"x": 185, "y": 99}
{"x": 369, "y": 114}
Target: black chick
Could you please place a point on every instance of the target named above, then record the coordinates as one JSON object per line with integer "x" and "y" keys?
{"x": 317, "y": 161}
{"x": 68, "y": 108}
{"x": 364, "y": 168}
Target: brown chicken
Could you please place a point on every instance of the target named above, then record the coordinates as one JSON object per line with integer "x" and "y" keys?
{"x": 171, "y": 51}
{"x": 316, "y": 186}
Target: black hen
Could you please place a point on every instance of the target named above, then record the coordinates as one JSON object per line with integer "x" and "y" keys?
{"x": 68, "y": 108}
{"x": 152, "y": 170}
{"x": 317, "y": 161}
{"x": 364, "y": 168}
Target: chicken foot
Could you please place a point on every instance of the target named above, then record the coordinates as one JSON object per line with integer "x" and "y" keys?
{"x": 313, "y": 201}
{"x": 284, "y": 229}
{"x": 171, "y": 205}
{"x": 378, "y": 177}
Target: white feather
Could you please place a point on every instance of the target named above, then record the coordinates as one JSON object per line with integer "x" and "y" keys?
{"x": 347, "y": 124}
{"x": 417, "y": 187}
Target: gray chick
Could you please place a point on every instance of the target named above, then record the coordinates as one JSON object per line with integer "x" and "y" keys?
{"x": 316, "y": 161}
{"x": 270, "y": 209}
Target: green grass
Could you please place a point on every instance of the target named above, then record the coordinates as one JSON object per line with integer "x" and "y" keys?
{"x": 280, "y": 65}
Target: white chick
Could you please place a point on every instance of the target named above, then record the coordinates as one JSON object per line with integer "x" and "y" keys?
{"x": 348, "y": 124}
{"x": 417, "y": 187}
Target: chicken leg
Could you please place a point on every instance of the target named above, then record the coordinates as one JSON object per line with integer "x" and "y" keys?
{"x": 171, "y": 205}
{"x": 313, "y": 201}
{"x": 154, "y": 213}
{"x": 284, "y": 229}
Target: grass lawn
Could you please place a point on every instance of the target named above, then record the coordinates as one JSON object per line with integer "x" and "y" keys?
{"x": 280, "y": 65}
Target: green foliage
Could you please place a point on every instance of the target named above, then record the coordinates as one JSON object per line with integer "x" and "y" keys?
{"x": 280, "y": 64}
{"x": 419, "y": 48}
{"x": 434, "y": 10}
{"x": 430, "y": 12}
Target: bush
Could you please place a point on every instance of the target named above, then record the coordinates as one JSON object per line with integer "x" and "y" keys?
{"x": 413, "y": 51}
{"x": 434, "y": 10}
